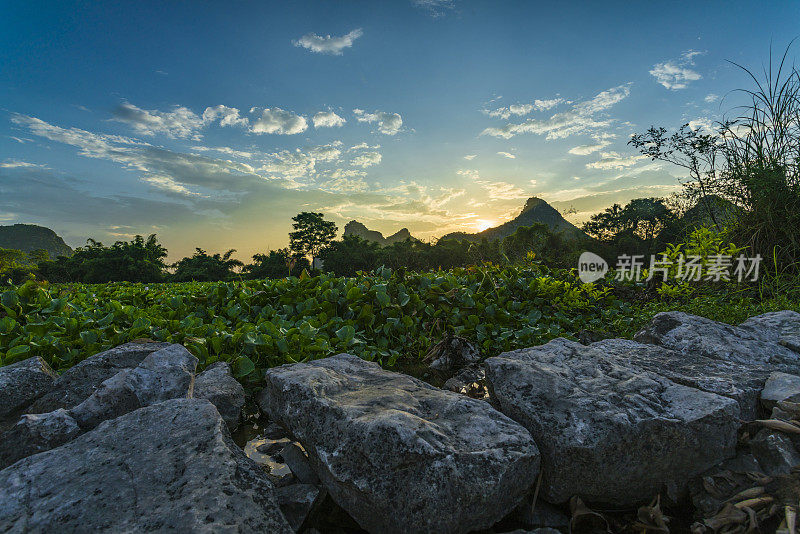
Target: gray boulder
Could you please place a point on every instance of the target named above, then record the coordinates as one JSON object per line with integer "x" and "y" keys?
{"x": 400, "y": 455}
{"x": 35, "y": 433}
{"x": 691, "y": 334}
{"x": 164, "y": 374}
{"x": 608, "y": 432}
{"x": 79, "y": 381}
{"x": 294, "y": 457}
{"x": 740, "y": 382}
{"x": 774, "y": 325}
{"x": 23, "y": 382}
{"x": 778, "y": 387}
{"x": 217, "y": 385}
{"x": 171, "y": 466}
{"x": 774, "y": 451}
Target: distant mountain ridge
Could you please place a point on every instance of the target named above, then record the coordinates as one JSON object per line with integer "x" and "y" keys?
{"x": 535, "y": 210}
{"x": 358, "y": 229}
{"x": 30, "y": 237}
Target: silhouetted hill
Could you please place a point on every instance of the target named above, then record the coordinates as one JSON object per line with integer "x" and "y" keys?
{"x": 30, "y": 237}
{"x": 535, "y": 210}
{"x": 707, "y": 210}
{"x": 358, "y": 229}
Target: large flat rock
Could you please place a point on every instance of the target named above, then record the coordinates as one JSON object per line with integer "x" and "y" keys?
{"x": 23, "y": 382}
{"x": 609, "y": 432}
{"x": 168, "y": 467}
{"x": 750, "y": 344}
{"x": 400, "y": 455}
{"x": 77, "y": 383}
{"x": 773, "y": 326}
{"x": 740, "y": 382}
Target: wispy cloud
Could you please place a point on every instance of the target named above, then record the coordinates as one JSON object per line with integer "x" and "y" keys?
{"x": 435, "y": 8}
{"x": 613, "y": 160}
{"x": 580, "y": 118}
{"x": 328, "y": 44}
{"x": 16, "y": 164}
{"x": 470, "y": 157}
{"x": 676, "y": 73}
{"x": 181, "y": 122}
{"x": 524, "y": 109}
{"x": 225, "y": 115}
{"x": 506, "y": 155}
{"x": 367, "y": 159}
{"x": 388, "y": 123}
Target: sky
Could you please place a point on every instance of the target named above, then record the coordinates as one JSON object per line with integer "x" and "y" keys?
{"x": 212, "y": 123}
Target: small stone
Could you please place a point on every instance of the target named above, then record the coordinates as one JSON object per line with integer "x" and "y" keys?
{"x": 774, "y": 451}
{"x": 296, "y": 459}
{"x": 217, "y": 385}
{"x": 272, "y": 447}
{"x": 274, "y": 431}
{"x": 452, "y": 353}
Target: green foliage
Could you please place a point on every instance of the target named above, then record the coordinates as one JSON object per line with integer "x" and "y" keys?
{"x": 276, "y": 264}
{"x": 202, "y": 267}
{"x": 388, "y": 316}
{"x": 138, "y": 260}
{"x": 311, "y": 234}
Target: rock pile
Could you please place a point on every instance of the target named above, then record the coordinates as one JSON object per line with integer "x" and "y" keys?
{"x": 135, "y": 439}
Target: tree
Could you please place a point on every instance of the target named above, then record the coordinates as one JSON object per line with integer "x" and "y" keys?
{"x": 351, "y": 254}
{"x": 311, "y": 234}
{"x": 202, "y": 267}
{"x": 276, "y": 264}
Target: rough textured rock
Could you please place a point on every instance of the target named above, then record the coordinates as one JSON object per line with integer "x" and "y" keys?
{"x": 23, "y": 382}
{"x": 217, "y": 385}
{"x": 607, "y": 432}
{"x": 740, "y": 382}
{"x": 165, "y": 374}
{"x": 170, "y": 466}
{"x": 297, "y": 502}
{"x": 774, "y": 325}
{"x": 36, "y": 433}
{"x": 774, "y": 451}
{"x": 779, "y": 386}
{"x": 690, "y": 334}
{"x": 791, "y": 341}
{"x": 79, "y": 382}
{"x": 398, "y": 454}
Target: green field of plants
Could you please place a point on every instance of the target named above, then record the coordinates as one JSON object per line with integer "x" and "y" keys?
{"x": 392, "y": 317}
{"x": 388, "y": 316}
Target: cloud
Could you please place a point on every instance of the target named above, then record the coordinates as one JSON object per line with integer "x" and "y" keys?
{"x": 15, "y": 164}
{"x": 495, "y": 190}
{"x": 613, "y": 160}
{"x": 225, "y": 150}
{"x": 327, "y": 119}
{"x": 506, "y": 155}
{"x": 179, "y": 123}
{"x": 580, "y": 118}
{"x": 470, "y": 157}
{"x": 711, "y": 97}
{"x": 676, "y": 73}
{"x": 435, "y": 8}
{"x": 328, "y": 44}
{"x": 226, "y": 116}
{"x": 367, "y": 159}
{"x": 388, "y": 123}
{"x": 278, "y": 121}
{"x": 524, "y": 109}
{"x": 585, "y": 150}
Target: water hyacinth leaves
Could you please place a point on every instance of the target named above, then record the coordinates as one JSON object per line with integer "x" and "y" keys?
{"x": 258, "y": 324}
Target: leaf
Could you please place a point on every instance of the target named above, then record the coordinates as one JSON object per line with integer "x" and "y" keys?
{"x": 18, "y": 352}
{"x": 243, "y": 367}
{"x": 346, "y": 333}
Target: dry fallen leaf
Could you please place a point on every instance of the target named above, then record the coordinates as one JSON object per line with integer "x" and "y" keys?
{"x": 777, "y": 424}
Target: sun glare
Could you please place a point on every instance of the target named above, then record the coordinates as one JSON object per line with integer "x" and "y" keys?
{"x": 483, "y": 224}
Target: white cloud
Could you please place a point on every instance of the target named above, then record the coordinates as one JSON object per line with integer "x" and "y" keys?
{"x": 226, "y": 116}
{"x": 16, "y": 164}
{"x": 613, "y": 160}
{"x": 704, "y": 124}
{"x": 577, "y": 120}
{"x": 494, "y": 190}
{"x": 363, "y": 146}
{"x": 278, "y": 121}
{"x": 224, "y": 150}
{"x": 327, "y": 119}
{"x": 179, "y": 123}
{"x": 585, "y": 150}
{"x": 506, "y": 155}
{"x": 711, "y": 97}
{"x": 328, "y": 44}
{"x": 676, "y": 73}
{"x": 388, "y": 123}
{"x": 470, "y": 157}
{"x": 524, "y": 109}
{"x": 367, "y": 159}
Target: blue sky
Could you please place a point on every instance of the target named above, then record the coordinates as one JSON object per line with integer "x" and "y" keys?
{"x": 212, "y": 123}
